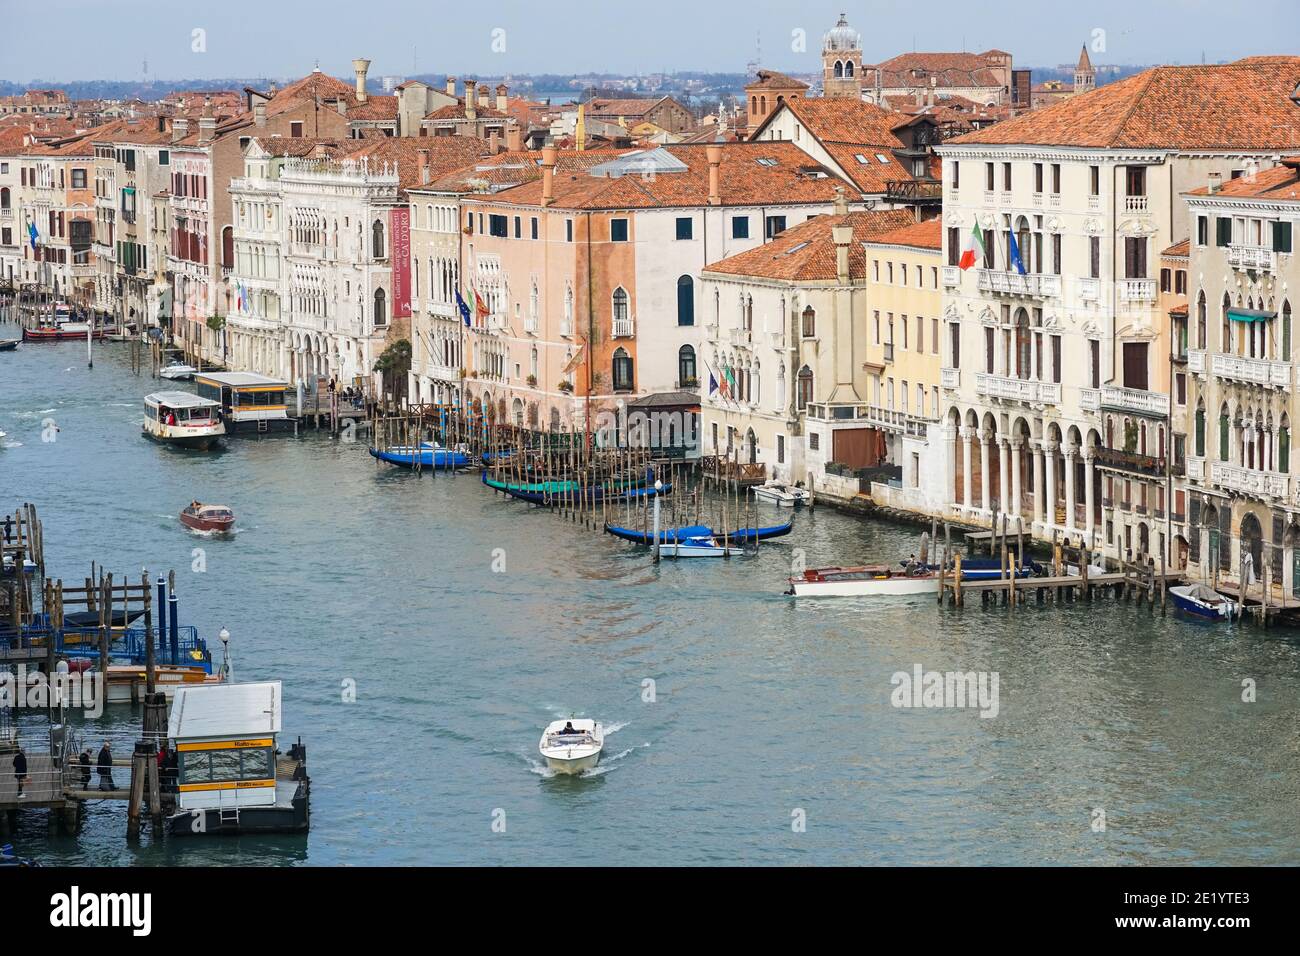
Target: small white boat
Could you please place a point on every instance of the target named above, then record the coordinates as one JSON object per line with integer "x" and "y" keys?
{"x": 868, "y": 580}
{"x": 177, "y": 371}
{"x": 781, "y": 494}
{"x": 572, "y": 746}
{"x": 699, "y": 546}
{"x": 1201, "y": 600}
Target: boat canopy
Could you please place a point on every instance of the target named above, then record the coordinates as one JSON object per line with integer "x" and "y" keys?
{"x": 178, "y": 400}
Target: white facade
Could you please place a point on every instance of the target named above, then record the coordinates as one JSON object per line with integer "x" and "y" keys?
{"x": 254, "y": 324}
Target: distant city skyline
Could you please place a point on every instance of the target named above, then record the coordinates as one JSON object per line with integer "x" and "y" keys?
{"x": 402, "y": 37}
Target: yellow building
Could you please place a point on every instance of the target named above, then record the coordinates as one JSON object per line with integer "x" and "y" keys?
{"x": 903, "y": 350}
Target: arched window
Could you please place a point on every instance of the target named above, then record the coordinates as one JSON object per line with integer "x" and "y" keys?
{"x": 839, "y": 69}
{"x": 1224, "y": 425}
{"x": 622, "y": 371}
{"x": 848, "y": 68}
{"x": 1202, "y": 329}
{"x": 1284, "y": 445}
{"x": 805, "y": 393}
{"x": 377, "y": 239}
{"x": 1285, "y": 336}
{"x": 620, "y": 312}
{"x": 4, "y": 197}
{"x": 381, "y": 307}
{"x": 809, "y": 323}
{"x": 686, "y": 366}
{"x": 685, "y": 300}
{"x": 1225, "y": 345}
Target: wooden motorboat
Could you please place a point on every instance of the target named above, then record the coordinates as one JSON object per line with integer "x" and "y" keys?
{"x": 781, "y": 494}
{"x": 876, "y": 580}
{"x": 1201, "y": 600}
{"x": 217, "y": 519}
{"x": 177, "y": 371}
{"x": 572, "y": 746}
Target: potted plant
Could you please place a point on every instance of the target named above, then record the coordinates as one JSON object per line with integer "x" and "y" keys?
{"x": 532, "y": 381}
{"x": 565, "y": 386}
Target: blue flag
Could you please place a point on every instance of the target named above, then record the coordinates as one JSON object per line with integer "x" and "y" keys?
{"x": 713, "y": 383}
{"x": 1013, "y": 251}
{"x": 32, "y": 234}
{"x": 464, "y": 309}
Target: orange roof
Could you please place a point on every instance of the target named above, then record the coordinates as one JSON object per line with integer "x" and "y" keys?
{"x": 1179, "y": 250}
{"x": 843, "y": 119}
{"x": 910, "y": 70}
{"x": 806, "y": 252}
{"x": 315, "y": 85}
{"x": 921, "y": 235}
{"x": 1277, "y": 183}
{"x": 374, "y": 108}
{"x": 445, "y": 153}
{"x": 514, "y": 167}
{"x": 1241, "y": 105}
{"x": 785, "y": 175}
{"x": 771, "y": 79}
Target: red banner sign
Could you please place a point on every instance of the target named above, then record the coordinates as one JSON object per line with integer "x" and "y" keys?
{"x": 400, "y": 230}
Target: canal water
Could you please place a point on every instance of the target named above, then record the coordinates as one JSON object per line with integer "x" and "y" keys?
{"x": 767, "y": 735}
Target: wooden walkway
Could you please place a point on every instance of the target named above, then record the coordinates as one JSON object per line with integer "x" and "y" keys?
{"x": 1152, "y": 586}
{"x": 45, "y": 789}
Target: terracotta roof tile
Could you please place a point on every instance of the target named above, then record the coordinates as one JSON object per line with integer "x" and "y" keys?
{"x": 445, "y": 153}
{"x": 921, "y": 235}
{"x": 1241, "y": 105}
{"x": 1276, "y": 183}
{"x": 806, "y": 252}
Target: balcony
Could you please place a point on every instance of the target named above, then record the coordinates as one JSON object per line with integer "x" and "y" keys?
{"x": 1137, "y": 290}
{"x": 1247, "y": 481}
{"x": 1252, "y": 258}
{"x": 6, "y": 215}
{"x": 1037, "y": 200}
{"x": 623, "y": 327}
{"x": 951, "y": 275}
{"x": 1013, "y": 283}
{"x": 950, "y": 377}
{"x": 739, "y": 337}
{"x": 530, "y": 325}
{"x": 1130, "y": 462}
{"x": 1089, "y": 289}
{"x": 1094, "y": 204}
{"x": 914, "y": 191}
{"x": 1134, "y": 400}
{"x": 888, "y": 418}
{"x": 1054, "y": 201}
{"x": 1135, "y": 204}
{"x": 1195, "y": 468}
{"x": 1017, "y": 389}
{"x": 1196, "y": 361}
{"x": 1255, "y": 371}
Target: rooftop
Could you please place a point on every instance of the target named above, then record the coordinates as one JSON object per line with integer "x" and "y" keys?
{"x": 806, "y": 252}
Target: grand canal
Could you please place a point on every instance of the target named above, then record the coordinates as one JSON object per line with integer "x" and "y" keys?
{"x": 763, "y": 709}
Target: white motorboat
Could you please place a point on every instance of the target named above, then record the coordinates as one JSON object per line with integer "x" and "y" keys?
{"x": 781, "y": 494}
{"x": 699, "y": 546}
{"x": 1201, "y": 600}
{"x": 177, "y": 371}
{"x": 572, "y": 746}
{"x": 863, "y": 581}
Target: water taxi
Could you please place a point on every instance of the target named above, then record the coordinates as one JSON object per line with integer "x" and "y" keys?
{"x": 572, "y": 746}
{"x": 230, "y": 777}
{"x": 212, "y": 518}
{"x": 180, "y": 418}
{"x": 781, "y": 494}
{"x": 249, "y": 402}
{"x": 176, "y": 371}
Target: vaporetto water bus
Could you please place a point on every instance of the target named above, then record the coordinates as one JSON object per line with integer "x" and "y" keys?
{"x": 183, "y": 419}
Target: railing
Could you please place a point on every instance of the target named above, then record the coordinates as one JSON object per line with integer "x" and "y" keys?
{"x": 1257, "y": 258}
{"x": 1195, "y": 468}
{"x": 530, "y": 325}
{"x": 951, "y": 275}
{"x": 1089, "y": 289}
{"x": 1137, "y": 290}
{"x": 950, "y": 377}
{"x": 1196, "y": 360}
{"x": 1135, "y": 400}
{"x": 890, "y": 418}
{"x": 1090, "y": 399}
{"x": 740, "y": 336}
{"x": 1257, "y": 371}
{"x": 1037, "y": 199}
{"x": 1130, "y": 462}
{"x": 1094, "y": 203}
{"x": 911, "y": 190}
{"x": 623, "y": 327}
{"x": 1267, "y": 484}
{"x": 1135, "y": 204}
{"x": 1013, "y": 283}
{"x": 1017, "y": 389}
{"x": 989, "y": 197}
{"x": 1054, "y": 201}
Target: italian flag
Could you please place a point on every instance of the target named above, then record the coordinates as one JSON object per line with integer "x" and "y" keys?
{"x": 974, "y": 241}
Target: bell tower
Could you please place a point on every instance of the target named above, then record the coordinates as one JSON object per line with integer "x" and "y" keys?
{"x": 842, "y": 61}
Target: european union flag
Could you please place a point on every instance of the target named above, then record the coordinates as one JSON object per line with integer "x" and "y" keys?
{"x": 464, "y": 309}
{"x": 32, "y": 234}
{"x": 1014, "y": 253}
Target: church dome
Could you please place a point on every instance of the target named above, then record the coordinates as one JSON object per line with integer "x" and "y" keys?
{"x": 842, "y": 38}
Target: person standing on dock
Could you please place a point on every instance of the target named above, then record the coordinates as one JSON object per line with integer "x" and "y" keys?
{"x": 105, "y": 764}
{"x": 85, "y": 769}
{"x": 20, "y": 771}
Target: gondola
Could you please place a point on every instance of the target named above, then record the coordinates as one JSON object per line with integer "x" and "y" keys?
{"x": 428, "y": 456}
{"x": 8, "y": 345}
{"x": 557, "y": 492}
{"x": 668, "y": 535}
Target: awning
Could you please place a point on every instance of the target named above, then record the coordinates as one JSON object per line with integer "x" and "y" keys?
{"x": 1250, "y": 315}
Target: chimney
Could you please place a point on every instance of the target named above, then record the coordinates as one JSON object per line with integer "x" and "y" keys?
{"x": 514, "y": 137}
{"x": 841, "y": 202}
{"x": 451, "y": 86}
{"x": 503, "y": 100}
{"x": 360, "y": 67}
{"x": 424, "y": 166}
{"x": 494, "y": 142}
{"x": 714, "y": 155}
{"x": 259, "y": 113}
{"x": 843, "y": 237}
{"x": 1216, "y": 180}
{"x": 548, "y": 175}
{"x": 180, "y": 128}
{"x": 471, "y": 92}
{"x": 162, "y": 124}
{"x": 929, "y": 100}
{"x": 341, "y": 105}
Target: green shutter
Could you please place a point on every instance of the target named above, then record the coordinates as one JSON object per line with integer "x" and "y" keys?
{"x": 1200, "y": 433}
{"x": 1281, "y": 237}
{"x": 1223, "y": 438}
{"x": 1223, "y": 229}
{"x": 1284, "y": 450}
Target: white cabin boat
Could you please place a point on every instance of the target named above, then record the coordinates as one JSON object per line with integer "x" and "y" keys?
{"x": 177, "y": 371}
{"x": 781, "y": 494}
{"x": 182, "y": 418}
{"x": 863, "y": 581}
{"x": 572, "y": 746}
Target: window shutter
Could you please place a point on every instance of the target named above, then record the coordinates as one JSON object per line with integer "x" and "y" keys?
{"x": 1281, "y": 237}
{"x": 1223, "y": 230}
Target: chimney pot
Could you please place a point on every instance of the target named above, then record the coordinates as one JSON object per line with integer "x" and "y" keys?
{"x": 180, "y": 128}
{"x": 714, "y": 156}
{"x": 514, "y": 137}
{"x": 548, "y": 175}
{"x": 503, "y": 100}
{"x": 451, "y": 86}
{"x": 360, "y": 68}
{"x": 1215, "y": 180}
{"x": 259, "y": 114}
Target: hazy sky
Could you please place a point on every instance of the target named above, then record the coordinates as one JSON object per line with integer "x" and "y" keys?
{"x": 111, "y": 39}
